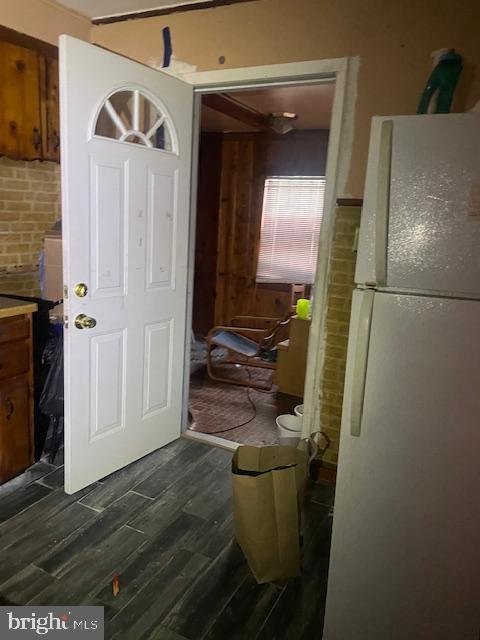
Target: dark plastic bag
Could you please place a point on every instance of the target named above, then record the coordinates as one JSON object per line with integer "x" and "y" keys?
{"x": 54, "y": 334}
{"x": 51, "y": 400}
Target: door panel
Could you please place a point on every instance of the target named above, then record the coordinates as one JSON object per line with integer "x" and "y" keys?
{"x": 161, "y": 224}
{"x": 158, "y": 351}
{"x": 405, "y": 556}
{"x": 125, "y": 194}
{"x": 107, "y": 383}
{"x": 108, "y": 186}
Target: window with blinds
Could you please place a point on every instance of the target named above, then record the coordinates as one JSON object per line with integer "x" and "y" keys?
{"x": 291, "y": 218}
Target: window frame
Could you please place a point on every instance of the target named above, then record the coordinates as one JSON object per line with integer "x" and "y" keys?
{"x": 158, "y": 104}
{"x": 274, "y": 281}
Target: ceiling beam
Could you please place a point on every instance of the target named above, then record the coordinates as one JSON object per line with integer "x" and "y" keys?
{"x": 165, "y": 11}
{"x": 232, "y": 108}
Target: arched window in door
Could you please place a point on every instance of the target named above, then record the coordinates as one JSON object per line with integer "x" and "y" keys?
{"x": 130, "y": 116}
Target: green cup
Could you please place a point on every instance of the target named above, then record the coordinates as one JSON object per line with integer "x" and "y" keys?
{"x": 303, "y": 308}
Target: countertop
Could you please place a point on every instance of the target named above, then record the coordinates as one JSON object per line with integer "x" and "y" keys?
{"x": 11, "y": 307}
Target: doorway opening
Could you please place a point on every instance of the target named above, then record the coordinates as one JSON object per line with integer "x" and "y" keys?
{"x": 260, "y": 202}
{"x": 126, "y": 223}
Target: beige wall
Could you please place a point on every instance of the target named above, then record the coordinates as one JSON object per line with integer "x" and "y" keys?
{"x": 43, "y": 19}
{"x": 393, "y": 38}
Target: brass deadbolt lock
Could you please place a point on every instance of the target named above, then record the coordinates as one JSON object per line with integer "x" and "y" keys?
{"x": 80, "y": 289}
{"x": 84, "y": 322}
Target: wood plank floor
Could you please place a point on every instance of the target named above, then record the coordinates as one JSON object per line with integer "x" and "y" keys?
{"x": 164, "y": 525}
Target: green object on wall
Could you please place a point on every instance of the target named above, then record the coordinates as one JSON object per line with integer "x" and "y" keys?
{"x": 442, "y": 82}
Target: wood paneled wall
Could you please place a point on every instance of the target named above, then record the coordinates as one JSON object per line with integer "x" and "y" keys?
{"x": 206, "y": 249}
{"x": 232, "y": 172}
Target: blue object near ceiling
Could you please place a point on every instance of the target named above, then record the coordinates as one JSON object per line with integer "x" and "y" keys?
{"x": 442, "y": 83}
{"x": 167, "y": 46}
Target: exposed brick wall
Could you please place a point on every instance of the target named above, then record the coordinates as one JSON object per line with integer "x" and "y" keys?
{"x": 339, "y": 300}
{"x": 29, "y": 206}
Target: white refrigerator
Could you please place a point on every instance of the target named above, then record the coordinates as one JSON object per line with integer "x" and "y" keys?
{"x": 405, "y": 556}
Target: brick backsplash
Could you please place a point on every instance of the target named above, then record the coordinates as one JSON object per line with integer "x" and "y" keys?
{"x": 29, "y": 206}
{"x": 339, "y": 301}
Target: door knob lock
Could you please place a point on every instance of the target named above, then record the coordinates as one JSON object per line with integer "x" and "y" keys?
{"x": 84, "y": 322}
{"x": 80, "y": 289}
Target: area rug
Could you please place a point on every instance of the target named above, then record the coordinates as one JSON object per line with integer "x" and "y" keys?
{"x": 218, "y": 408}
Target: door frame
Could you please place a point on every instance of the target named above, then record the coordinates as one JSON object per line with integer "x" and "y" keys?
{"x": 344, "y": 72}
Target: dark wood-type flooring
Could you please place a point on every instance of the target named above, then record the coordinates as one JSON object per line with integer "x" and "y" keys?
{"x": 217, "y": 406}
{"x": 164, "y": 525}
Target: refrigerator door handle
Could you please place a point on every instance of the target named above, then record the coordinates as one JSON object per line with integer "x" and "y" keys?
{"x": 382, "y": 201}
{"x": 360, "y": 362}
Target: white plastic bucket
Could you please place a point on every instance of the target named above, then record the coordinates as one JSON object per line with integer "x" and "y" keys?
{"x": 299, "y": 410}
{"x": 289, "y": 429}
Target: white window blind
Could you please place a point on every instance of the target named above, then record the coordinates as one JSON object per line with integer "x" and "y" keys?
{"x": 291, "y": 218}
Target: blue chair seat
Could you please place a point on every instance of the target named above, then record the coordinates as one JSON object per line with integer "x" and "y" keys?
{"x": 235, "y": 342}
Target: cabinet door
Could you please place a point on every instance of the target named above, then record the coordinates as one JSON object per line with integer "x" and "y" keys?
{"x": 20, "y": 123}
{"x": 14, "y": 359}
{"x": 50, "y": 108}
{"x": 15, "y": 427}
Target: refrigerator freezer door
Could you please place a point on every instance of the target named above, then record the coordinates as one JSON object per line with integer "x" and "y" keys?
{"x": 433, "y": 219}
{"x": 405, "y": 558}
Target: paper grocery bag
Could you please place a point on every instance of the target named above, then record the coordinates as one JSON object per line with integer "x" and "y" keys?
{"x": 268, "y": 485}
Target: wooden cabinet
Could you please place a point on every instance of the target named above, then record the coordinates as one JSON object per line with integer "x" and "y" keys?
{"x": 16, "y": 396}
{"x": 50, "y": 102}
{"x": 29, "y": 121}
{"x": 20, "y": 117}
{"x": 292, "y": 358}
{"x": 16, "y": 451}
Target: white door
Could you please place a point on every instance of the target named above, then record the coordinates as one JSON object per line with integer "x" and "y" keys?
{"x": 421, "y": 215}
{"x": 405, "y": 555}
{"x": 126, "y": 162}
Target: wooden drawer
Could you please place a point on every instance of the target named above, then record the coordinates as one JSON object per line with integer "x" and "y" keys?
{"x": 16, "y": 452}
{"x": 15, "y": 328}
{"x": 14, "y": 359}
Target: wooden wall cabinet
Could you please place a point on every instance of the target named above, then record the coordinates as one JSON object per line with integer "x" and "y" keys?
{"x": 20, "y": 121}
{"x": 29, "y": 128}
{"x": 50, "y": 108}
